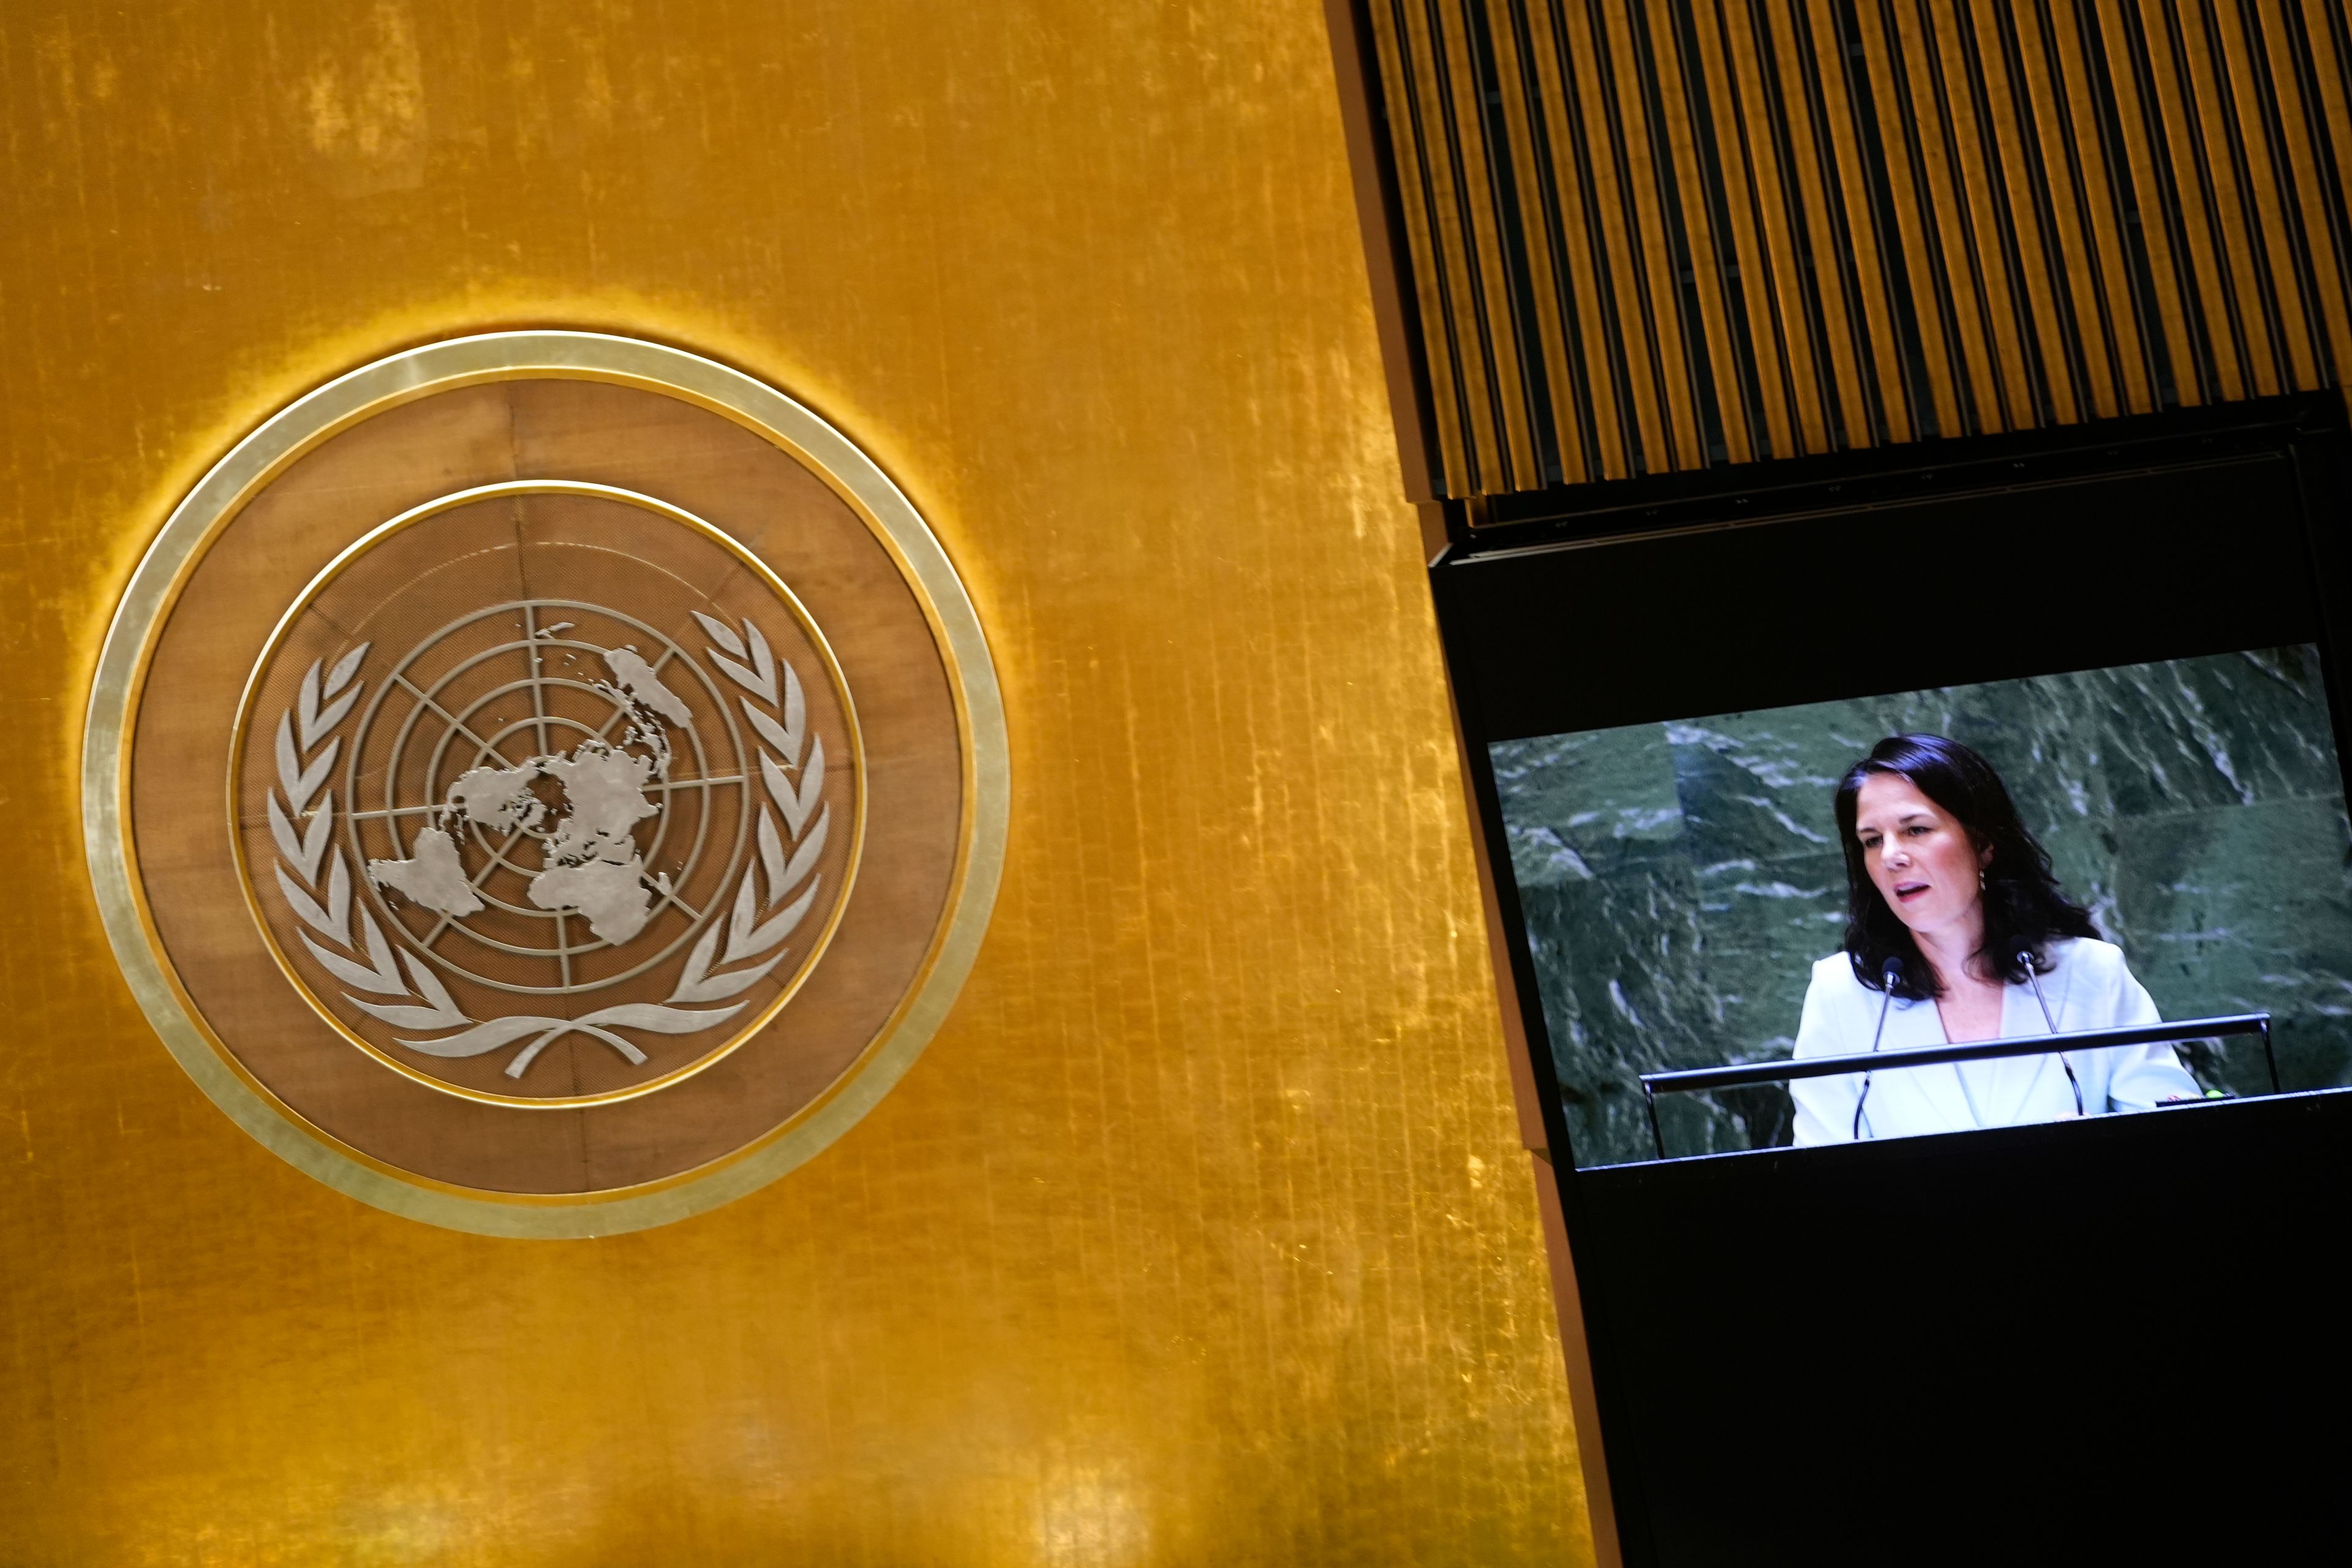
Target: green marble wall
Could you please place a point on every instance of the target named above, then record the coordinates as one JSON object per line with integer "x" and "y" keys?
{"x": 1679, "y": 879}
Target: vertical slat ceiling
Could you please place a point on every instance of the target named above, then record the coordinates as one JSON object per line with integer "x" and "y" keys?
{"x": 1649, "y": 237}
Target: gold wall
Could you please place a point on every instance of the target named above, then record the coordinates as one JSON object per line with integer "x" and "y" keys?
{"x": 1202, "y": 1232}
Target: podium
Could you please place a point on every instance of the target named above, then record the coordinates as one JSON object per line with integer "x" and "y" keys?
{"x": 1740, "y": 1074}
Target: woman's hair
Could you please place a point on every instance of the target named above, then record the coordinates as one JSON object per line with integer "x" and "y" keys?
{"x": 2024, "y": 908}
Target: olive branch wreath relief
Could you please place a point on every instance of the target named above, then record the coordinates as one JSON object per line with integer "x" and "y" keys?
{"x": 307, "y": 745}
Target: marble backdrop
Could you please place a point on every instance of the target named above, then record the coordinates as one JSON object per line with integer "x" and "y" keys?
{"x": 1678, "y": 880}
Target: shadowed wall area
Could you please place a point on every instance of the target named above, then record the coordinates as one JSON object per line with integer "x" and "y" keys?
{"x": 1679, "y": 879}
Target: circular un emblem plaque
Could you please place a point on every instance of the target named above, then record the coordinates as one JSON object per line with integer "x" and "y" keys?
{"x": 545, "y": 783}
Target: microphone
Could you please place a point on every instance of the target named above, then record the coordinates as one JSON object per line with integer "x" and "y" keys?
{"x": 1890, "y": 976}
{"x": 2025, "y": 962}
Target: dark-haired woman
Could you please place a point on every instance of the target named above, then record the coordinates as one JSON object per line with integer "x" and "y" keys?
{"x": 1957, "y": 931}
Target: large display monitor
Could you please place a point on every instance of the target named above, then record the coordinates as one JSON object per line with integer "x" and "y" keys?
{"x": 2166, "y": 840}
{"x": 2134, "y": 665}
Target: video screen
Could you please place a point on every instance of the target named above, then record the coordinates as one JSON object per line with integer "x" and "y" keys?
{"x": 2087, "y": 851}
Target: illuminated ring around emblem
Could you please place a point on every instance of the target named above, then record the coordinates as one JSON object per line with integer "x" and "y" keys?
{"x": 282, "y": 440}
{"x": 736, "y": 858}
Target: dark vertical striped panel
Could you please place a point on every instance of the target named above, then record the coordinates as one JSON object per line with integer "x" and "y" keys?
{"x": 1651, "y": 236}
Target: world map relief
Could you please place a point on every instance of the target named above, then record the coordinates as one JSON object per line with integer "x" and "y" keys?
{"x": 590, "y": 863}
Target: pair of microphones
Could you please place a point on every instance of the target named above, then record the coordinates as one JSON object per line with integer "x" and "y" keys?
{"x": 1890, "y": 976}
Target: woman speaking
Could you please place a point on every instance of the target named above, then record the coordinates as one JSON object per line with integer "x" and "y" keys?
{"x": 1957, "y": 931}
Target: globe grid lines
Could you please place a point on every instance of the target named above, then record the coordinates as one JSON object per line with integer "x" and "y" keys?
{"x": 534, "y": 644}
{"x": 487, "y": 747}
{"x": 427, "y": 700}
{"x": 594, "y": 865}
{"x": 318, "y": 890}
{"x": 534, "y": 647}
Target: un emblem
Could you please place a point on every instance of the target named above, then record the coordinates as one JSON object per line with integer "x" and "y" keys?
{"x": 615, "y": 783}
{"x": 547, "y": 822}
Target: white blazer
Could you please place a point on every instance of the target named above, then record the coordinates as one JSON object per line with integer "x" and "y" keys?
{"x": 2090, "y": 987}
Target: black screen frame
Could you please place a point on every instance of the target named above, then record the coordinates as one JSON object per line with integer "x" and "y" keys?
{"x": 1655, "y": 595}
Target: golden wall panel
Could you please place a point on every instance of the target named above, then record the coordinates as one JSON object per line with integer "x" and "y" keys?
{"x": 1201, "y": 1233}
